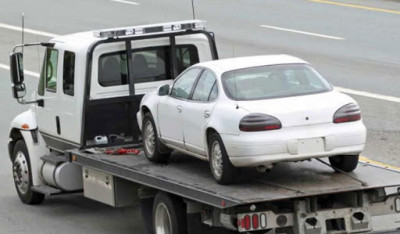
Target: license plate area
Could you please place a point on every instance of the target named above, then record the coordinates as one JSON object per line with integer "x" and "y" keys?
{"x": 310, "y": 145}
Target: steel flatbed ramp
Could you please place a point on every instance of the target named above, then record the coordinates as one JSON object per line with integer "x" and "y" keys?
{"x": 191, "y": 178}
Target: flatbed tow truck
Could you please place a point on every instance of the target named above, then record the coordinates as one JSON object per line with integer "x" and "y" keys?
{"x": 98, "y": 79}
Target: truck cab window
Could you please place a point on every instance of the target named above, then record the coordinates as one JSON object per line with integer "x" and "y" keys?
{"x": 149, "y": 64}
{"x": 69, "y": 73}
{"x": 113, "y": 69}
{"x": 51, "y": 70}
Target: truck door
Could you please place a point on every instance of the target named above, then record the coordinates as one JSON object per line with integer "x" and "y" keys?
{"x": 198, "y": 112}
{"x": 47, "y": 113}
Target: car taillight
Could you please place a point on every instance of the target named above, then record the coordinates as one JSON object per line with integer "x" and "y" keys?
{"x": 348, "y": 113}
{"x": 259, "y": 122}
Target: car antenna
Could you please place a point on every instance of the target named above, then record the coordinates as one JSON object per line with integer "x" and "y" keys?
{"x": 193, "y": 11}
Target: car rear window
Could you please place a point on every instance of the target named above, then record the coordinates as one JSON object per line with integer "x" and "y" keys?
{"x": 273, "y": 81}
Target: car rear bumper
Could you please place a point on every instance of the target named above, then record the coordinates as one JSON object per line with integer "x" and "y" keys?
{"x": 295, "y": 143}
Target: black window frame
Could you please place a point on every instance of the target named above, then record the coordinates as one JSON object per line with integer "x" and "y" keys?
{"x": 73, "y": 74}
{"x": 169, "y": 73}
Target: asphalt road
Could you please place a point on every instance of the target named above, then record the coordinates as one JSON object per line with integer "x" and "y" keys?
{"x": 354, "y": 43}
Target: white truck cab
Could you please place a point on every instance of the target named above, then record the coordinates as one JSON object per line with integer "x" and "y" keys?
{"x": 89, "y": 92}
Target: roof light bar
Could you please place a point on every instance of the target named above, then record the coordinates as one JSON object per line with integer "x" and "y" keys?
{"x": 151, "y": 29}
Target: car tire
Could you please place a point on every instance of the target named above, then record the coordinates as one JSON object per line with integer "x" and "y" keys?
{"x": 22, "y": 175}
{"x": 169, "y": 214}
{"x": 151, "y": 144}
{"x": 221, "y": 167}
{"x": 346, "y": 163}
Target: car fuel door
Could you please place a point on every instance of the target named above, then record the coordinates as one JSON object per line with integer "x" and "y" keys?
{"x": 198, "y": 111}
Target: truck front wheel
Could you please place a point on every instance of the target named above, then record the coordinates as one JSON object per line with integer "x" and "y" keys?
{"x": 169, "y": 214}
{"x": 346, "y": 163}
{"x": 23, "y": 176}
{"x": 151, "y": 144}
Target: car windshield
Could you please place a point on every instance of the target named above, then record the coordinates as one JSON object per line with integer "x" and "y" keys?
{"x": 273, "y": 81}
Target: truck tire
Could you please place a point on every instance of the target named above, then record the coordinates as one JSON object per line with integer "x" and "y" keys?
{"x": 221, "y": 167}
{"x": 23, "y": 176}
{"x": 346, "y": 163}
{"x": 169, "y": 214}
{"x": 151, "y": 144}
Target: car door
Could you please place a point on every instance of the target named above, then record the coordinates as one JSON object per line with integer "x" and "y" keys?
{"x": 198, "y": 111}
{"x": 47, "y": 115}
{"x": 171, "y": 108}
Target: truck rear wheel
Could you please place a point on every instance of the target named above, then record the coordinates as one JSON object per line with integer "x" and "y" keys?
{"x": 151, "y": 144}
{"x": 221, "y": 167}
{"x": 346, "y": 163}
{"x": 169, "y": 214}
{"x": 23, "y": 176}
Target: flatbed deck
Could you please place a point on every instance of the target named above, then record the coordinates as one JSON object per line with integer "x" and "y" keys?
{"x": 191, "y": 178}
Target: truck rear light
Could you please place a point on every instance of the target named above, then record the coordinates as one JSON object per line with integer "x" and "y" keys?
{"x": 255, "y": 221}
{"x": 247, "y": 223}
{"x": 348, "y": 113}
{"x": 259, "y": 122}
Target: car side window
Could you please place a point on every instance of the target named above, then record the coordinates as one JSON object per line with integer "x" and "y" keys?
{"x": 204, "y": 86}
{"x": 184, "y": 84}
{"x": 51, "y": 70}
{"x": 214, "y": 93}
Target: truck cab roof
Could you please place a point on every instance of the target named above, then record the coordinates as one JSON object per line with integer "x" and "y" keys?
{"x": 83, "y": 40}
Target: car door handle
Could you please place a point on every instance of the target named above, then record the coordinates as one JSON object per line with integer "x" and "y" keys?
{"x": 179, "y": 108}
{"x": 206, "y": 114}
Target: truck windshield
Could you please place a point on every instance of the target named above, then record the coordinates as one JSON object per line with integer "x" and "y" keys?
{"x": 273, "y": 81}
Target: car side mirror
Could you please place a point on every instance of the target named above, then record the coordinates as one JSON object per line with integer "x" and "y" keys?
{"x": 18, "y": 90}
{"x": 163, "y": 90}
{"x": 17, "y": 68}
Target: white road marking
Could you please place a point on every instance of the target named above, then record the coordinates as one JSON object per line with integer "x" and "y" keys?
{"x": 126, "y": 2}
{"x": 27, "y": 30}
{"x": 302, "y": 32}
{"x": 29, "y": 73}
{"x": 370, "y": 95}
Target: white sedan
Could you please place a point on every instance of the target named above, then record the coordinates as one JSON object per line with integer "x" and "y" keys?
{"x": 252, "y": 112}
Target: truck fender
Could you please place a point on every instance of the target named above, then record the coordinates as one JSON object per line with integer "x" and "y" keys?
{"x": 33, "y": 140}
{"x": 24, "y": 121}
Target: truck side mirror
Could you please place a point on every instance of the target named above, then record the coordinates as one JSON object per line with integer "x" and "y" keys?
{"x": 17, "y": 68}
{"x": 163, "y": 90}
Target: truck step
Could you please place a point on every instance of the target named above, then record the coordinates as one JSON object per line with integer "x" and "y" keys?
{"x": 46, "y": 190}
{"x": 54, "y": 159}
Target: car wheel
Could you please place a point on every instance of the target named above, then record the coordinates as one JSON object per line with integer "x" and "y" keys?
{"x": 23, "y": 176}
{"x": 221, "y": 167}
{"x": 169, "y": 214}
{"x": 346, "y": 163}
{"x": 151, "y": 143}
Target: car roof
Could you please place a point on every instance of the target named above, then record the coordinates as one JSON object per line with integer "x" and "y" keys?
{"x": 224, "y": 65}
